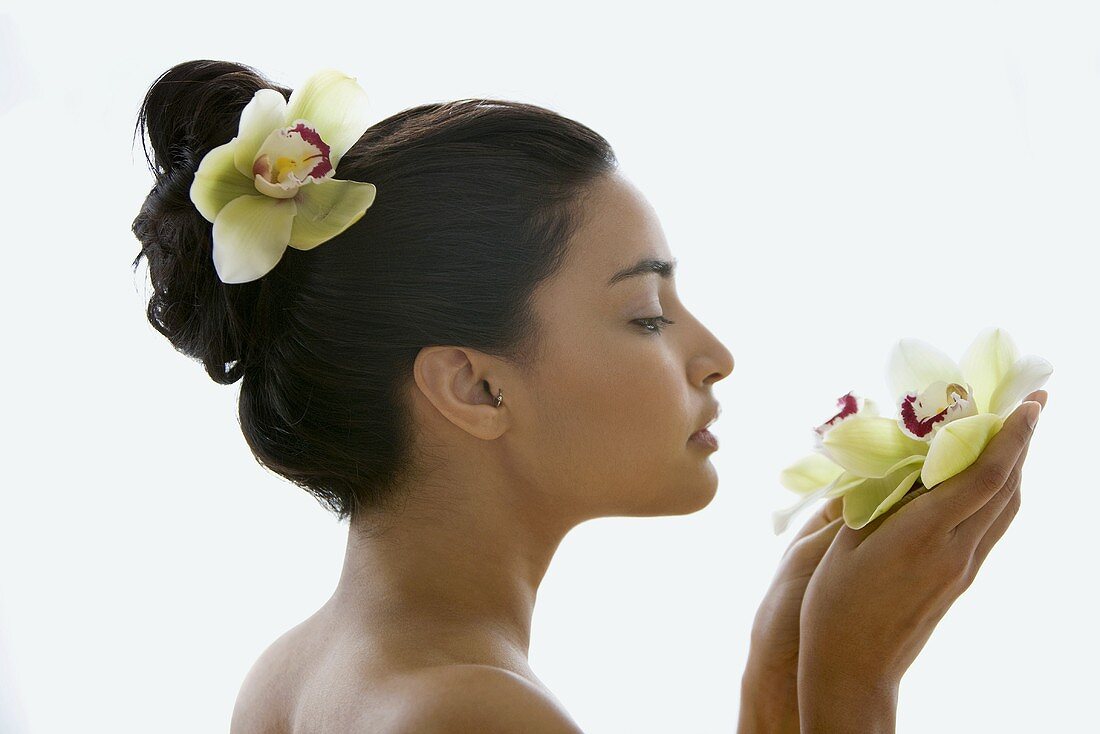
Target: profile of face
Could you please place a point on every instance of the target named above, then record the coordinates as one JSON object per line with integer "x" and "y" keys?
{"x": 601, "y": 425}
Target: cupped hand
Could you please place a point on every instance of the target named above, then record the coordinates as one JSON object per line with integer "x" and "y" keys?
{"x": 773, "y": 654}
{"x": 775, "y": 628}
{"x": 878, "y": 592}
{"x": 769, "y": 700}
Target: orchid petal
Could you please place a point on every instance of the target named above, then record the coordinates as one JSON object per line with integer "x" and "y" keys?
{"x": 871, "y": 446}
{"x": 328, "y": 208}
{"x": 250, "y": 236}
{"x": 842, "y": 484}
{"x": 810, "y": 473}
{"x": 872, "y": 497}
{"x": 335, "y": 104}
{"x": 915, "y": 364}
{"x": 838, "y": 487}
{"x": 1026, "y": 374}
{"x": 985, "y": 363}
{"x": 217, "y": 182}
{"x": 782, "y": 518}
{"x": 266, "y": 111}
{"x": 956, "y": 445}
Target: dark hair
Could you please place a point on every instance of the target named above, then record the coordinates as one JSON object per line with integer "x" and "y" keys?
{"x": 477, "y": 199}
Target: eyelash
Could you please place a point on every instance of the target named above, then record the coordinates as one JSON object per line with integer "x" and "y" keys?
{"x": 654, "y": 322}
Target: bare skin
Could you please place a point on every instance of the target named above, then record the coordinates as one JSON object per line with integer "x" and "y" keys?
{"x": 429, "y": 627}
{"x": 438, "y": 595}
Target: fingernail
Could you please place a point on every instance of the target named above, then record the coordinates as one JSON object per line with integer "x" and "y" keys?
{"x": 1032, "y": 413}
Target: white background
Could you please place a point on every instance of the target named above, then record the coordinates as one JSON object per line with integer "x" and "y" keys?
{"x": 832, "y": 176}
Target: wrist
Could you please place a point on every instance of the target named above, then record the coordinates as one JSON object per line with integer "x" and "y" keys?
{"x": 832, "y": 702}
{"x": 769, "y": 699}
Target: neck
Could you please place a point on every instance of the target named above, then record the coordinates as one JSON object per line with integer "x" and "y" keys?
{"x": 456, "y": 574}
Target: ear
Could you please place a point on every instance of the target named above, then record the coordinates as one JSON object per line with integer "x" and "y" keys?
{"x": 454, "y": 380}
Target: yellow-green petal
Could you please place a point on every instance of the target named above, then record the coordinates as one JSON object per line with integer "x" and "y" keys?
{"x": 956, "y": 445}
{"x": 250, "y": 236}
{"x": 871, "y": 446}
{"x": 872, "y": 497}
{"x": 782, "y": 518}
{"x": 217, "y": 182}
{"x": 327, "y": 208}
{"x": 810, "y": 473}
{"x": 915, "y": 364}
{"x": 336, "y": 106}
{"x": 985, "y": 363}
{"x": 1028, "y": 373}
{"x": 844, "y": 482}
{"x": 266, "y": 111}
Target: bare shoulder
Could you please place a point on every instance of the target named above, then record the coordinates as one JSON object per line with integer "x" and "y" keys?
{"x": 471, "y": 697}
{"x": 299, "y": 685}
{"x": 262, "y": 699}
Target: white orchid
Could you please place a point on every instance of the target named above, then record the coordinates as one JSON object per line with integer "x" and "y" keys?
{"x": 273, "y": 185}
{"x": 947, "y": 413}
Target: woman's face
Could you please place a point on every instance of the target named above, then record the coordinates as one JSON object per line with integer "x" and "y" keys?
{"x": 612, "y": 402}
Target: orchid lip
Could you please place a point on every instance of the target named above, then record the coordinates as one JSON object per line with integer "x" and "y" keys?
{"x": 848, "y": 404}
{"x": 290, "y": 157}
{"x": 921, "y": 414}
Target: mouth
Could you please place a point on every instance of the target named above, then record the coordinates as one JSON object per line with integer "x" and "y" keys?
{"x": 710, "y": 421}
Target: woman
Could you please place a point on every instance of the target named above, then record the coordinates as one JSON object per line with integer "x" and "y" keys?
{"x": 494, "y": 354}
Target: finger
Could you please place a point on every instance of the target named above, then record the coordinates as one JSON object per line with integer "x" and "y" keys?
{"x": 973, "y": 528}
{"x": 960, "y": 496}
{"x": 817, "y": 542}
{"x": 997, "y": 528}
{"x": 1039, "y": 396}
{"x": 852, "y": 538}
{"x": 825, "y": 515}
{"x": 833, "y": 509}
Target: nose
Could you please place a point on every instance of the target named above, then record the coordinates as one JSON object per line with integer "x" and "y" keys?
{"x": 715, "y": 362}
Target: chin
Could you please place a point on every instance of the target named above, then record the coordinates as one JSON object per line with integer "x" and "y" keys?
{"x": 699, "y": 500}
{"x": 685, "y": 498}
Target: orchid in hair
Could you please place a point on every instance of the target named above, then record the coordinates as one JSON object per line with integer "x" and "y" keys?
{"x": 946, "y": 414}
{"x": 273, "y": 185}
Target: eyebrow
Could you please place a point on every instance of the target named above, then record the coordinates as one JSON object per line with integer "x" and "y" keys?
{"x": 664, "y": 268}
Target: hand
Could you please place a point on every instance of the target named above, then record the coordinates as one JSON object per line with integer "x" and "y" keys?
{"x": 769, "y": 687}
{"x": 769, "y": 700}
{"x": 878, "y": 592}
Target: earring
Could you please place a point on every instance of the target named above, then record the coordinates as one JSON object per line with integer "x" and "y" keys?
{"x": 500, "y": 397}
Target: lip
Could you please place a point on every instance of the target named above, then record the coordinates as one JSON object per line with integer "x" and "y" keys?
{"x": 713, "y": 417}
{"x": 705, "y": 438}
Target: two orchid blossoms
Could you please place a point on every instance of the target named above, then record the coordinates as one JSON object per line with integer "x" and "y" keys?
{"x": 946, "y": 414}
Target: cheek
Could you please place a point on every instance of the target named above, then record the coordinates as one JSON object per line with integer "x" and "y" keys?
{"x": 616, "y": 412}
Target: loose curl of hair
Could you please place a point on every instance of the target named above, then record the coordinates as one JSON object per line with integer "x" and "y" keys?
{"x": 477, "y": 199}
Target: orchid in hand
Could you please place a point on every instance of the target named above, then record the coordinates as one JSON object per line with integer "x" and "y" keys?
{"x": 946, "y": 414}
{"x": 273, "y": 185}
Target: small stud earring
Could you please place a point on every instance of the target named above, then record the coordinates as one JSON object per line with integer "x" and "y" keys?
{"x": 500, "y": 397}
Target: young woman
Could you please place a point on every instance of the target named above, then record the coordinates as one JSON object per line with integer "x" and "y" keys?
{"x": 495, "y": 353}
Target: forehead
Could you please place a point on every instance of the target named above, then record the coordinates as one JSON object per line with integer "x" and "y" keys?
{"x": 619, "y": 228}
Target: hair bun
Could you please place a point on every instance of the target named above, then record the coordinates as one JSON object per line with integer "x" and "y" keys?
{"x": 189, "y": 110}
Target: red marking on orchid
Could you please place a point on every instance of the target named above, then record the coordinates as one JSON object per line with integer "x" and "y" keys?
{"x": 917, "y": 426}
{"x": 312, "y": 137}
{"x": 848, "y": 406}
